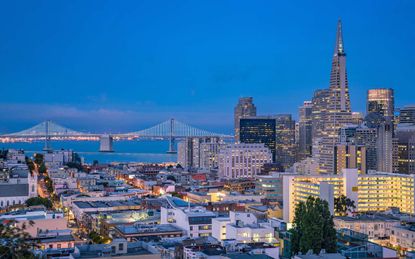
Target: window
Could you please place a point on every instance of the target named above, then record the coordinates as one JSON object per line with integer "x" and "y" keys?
{"x": 59, "y": 246}
{"x": 51, "y": 246}
{"x": 121, "y": 247}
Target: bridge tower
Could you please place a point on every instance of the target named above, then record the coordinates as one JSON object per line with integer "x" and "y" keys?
{"x": 171, "y": 150}
{"x": 47, "y": 147}
{"x": 105, "y": 143}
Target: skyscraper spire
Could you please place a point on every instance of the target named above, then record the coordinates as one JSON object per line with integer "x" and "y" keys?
{"x": 339, "y": 88}
{"x": 339, "y": 49}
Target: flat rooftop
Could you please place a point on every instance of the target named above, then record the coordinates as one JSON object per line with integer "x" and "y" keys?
{"x": 141, "y": 229}
{"x": 105, "y": 204}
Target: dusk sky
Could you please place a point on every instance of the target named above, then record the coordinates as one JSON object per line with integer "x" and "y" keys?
{"x": 119, "y": 66}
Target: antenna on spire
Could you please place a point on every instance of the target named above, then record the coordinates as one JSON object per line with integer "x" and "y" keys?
{"x": 339, "y": 49}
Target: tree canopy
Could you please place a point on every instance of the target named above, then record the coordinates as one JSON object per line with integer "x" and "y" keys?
{"x": 313, "y": 227}
{"x": 39, "y": 201}
{"x": 342, "y": 205}
{"x": 15, "y": 241}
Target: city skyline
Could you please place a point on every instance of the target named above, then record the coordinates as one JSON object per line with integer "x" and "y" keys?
{"x": 62, "y": 87}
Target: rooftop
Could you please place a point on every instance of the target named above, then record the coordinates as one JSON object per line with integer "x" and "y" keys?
{"x": 14, "y": 190}
{"x": 105, "y": 204}
{"x": 141, "y": 229}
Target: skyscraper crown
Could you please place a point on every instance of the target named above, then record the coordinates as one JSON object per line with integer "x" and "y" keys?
{"x": 339, "y": 49}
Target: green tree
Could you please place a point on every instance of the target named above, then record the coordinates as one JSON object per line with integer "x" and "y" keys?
{"x": 75, "y": 165}
{"x": 76, "y": 158}
{"x": 30, "y": 164}
{"x": 39, "y": 201}
{"x": 3, "y": 153}
{"x": 49, "y": 184}
{"x": 38, "y": 159}
{"x": 313, "y": 227}
{"x": 15, "y": 242}
{"x": 171, "y": 178}
{"x": 342, "y": 205}
{"x": 42, "y": 169}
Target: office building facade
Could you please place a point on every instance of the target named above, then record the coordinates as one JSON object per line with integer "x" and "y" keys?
{"x": 243, "y": 160}
{"x": 305, "y": 129}
{"x": 381, "y": 101}
{"x": 244, "y": 108}
{"x": 259, "y": 130}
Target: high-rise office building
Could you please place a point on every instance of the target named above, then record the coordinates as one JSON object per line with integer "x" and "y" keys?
{"x": 405, "y": 135}
{"x": 368, "y": 137}
{"x": 259, "y": 129}
{"x": 286, "y": 148}
{"x": 244, "y": 108}
{"x": 384, "y": 148}
{"x": 339, "y": 89}
{"x": 381, "y": 101}
{"x": 243, "y": 160}
{"x": 199, "y": 152}
{"x": 319, "y": 111}
{"x": 407, "y": 114}
{"x": 338, "y": 110}
{"x": 361, "y": 135}
{"x": 305, "y": 129}
{"x": 350, "y": 156}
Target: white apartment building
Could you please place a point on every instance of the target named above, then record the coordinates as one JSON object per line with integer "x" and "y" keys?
{"x": 373, "y": 192}
{"x": 404, "y": 237}
{"x": 375, "y": 227}
{"x": 243, "y": 160}
{"x": 243, "y": 227}
{"x": 195, "y": 221}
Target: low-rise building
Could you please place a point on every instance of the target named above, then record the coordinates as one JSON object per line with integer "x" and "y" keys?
{"x": 374, "y": 226}
{"x": 16, "y": 186}
{"x": 146, "y": 232}
{"x": 194, "y": 220}
{"x": 403, "y": 237}
{"x": 244, "y": 227}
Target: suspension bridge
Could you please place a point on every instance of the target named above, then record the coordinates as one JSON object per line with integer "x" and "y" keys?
{"x": 168, "y": 130}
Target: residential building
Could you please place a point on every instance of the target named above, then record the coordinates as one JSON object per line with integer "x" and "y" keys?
{"x": 194, "y": 221}
{"x": 374, "y": 226}
{"x": 372, "y": 192}
{"x": 403, "y": 237}
{"x": 270, "y": 186}
{"x": 42, "y": 220}
{"x": 243, "y": 227}
{"x": 144, "y": 232}
{"x": 118, "y": 248}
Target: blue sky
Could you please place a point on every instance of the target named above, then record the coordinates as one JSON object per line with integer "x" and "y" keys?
{"x": 124, "y": 65}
